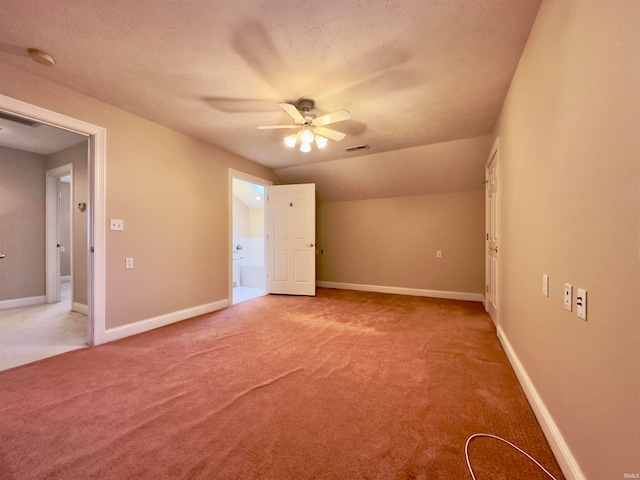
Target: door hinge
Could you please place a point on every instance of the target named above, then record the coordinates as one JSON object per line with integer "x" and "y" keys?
{"x": 486, "y": 288}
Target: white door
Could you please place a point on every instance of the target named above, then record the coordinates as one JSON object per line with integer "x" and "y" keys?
{"x": 491, "y": 183}
{"x": 291, "y": 238}
{"x": 52, "y": 249}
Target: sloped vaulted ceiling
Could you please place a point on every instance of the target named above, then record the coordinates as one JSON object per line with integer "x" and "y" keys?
{"x": 424, "y": 80}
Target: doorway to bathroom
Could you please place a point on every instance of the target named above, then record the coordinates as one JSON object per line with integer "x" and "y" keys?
{"x": 248, "y": 243}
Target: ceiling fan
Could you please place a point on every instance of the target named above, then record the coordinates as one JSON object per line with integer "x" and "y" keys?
{"x": 310, "y": 127}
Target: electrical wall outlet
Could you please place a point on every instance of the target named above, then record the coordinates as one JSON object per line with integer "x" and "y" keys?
{"x": 439, "y": 253}
{"x": 581, "y": 303}
{"x": 568, "y": 296}
{"x": 545, "y": 285}
{"x": 128, "y": 263}
{"x": 117, "y": 224}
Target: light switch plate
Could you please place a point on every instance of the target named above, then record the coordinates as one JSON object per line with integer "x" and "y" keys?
{"x": 568, "y": 296}
{"x": 117, "y": 224}
{"x": 581, "y": 303}
{"x": 545, "y": 285}
{"x": 128, "y": 263}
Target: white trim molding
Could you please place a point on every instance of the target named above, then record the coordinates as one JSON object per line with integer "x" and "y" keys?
{"x": 565, "y": 458}
{"x": 22, "y": 302}
{"x": 162, "y": 320}
{"x": 416, "y": 292}
{"x": 80, "y": 308}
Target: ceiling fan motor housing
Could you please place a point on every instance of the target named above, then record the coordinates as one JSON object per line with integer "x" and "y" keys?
{"x": 305, "y": 104}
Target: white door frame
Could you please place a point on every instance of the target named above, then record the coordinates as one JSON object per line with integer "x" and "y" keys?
{"x": 251, "y": 179}
{"x": 492, "y": 285}
{"x": 52, "y": 235}
{"x": 96, "y": 278}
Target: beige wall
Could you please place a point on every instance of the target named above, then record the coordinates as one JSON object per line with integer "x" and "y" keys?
{"x": 172, "y": 193}
{"x": 241, "y": 223}
{"x": 78, "y": 156}
{"x": 256, "y": 222}
{"x": 570, "y": 208}
{"x": 22, "y": 224}
{"x": 393, "y": 242}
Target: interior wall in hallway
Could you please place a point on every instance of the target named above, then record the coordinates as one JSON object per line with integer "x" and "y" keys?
{"x": 22, "y": 220}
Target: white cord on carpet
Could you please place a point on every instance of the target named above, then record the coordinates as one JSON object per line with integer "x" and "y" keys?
{"x": 466, "y": 452}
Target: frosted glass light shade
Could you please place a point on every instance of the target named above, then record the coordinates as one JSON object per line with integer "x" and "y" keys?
{"x": 305, "y": 147}
{"x": 291, "y": 141}
{"x": 307, "y": 136}
{"x": 321, "y": 141}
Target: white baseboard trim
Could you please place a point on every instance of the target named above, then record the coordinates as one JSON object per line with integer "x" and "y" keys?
{"x": 416, "y": 292}
{"x": 565, "y": 458}
{"x": 80, "y": 308}
{"x": 22, "y": 302}
{"x": 162, "y": 320}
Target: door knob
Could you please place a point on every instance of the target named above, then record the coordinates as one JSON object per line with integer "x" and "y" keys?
{"x": 1, "y": 255}
{"x": 308, "y": 245}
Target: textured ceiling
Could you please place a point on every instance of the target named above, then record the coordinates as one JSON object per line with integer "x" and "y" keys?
{"x": 412, "y": 73}
{"x": 36, "y": 138}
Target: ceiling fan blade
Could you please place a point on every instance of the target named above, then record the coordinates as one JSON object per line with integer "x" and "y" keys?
{"x": 271, "y": 127}
{"x": 333, "y": 117}
{"x": 331, "y": 134}
{"x": 293, "y": 112}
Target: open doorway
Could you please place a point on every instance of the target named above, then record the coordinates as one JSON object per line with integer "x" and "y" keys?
{"x": 59, "y": 231}
{"x": 24, "y": 197}
{"x": 248, "y": 240}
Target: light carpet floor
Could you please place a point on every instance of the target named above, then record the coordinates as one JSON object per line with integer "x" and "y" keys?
{"x": 32, "y": 333}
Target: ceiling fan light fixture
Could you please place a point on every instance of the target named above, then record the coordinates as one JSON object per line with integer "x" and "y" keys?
{"x": 309, "y": 125}
{"x": 291, "y": 140}
{"x": 305, "y": 147}
{"x": 321, "y": 141}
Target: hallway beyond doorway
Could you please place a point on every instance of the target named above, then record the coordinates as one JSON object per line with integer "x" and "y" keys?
{"x": 32, "y": 333}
